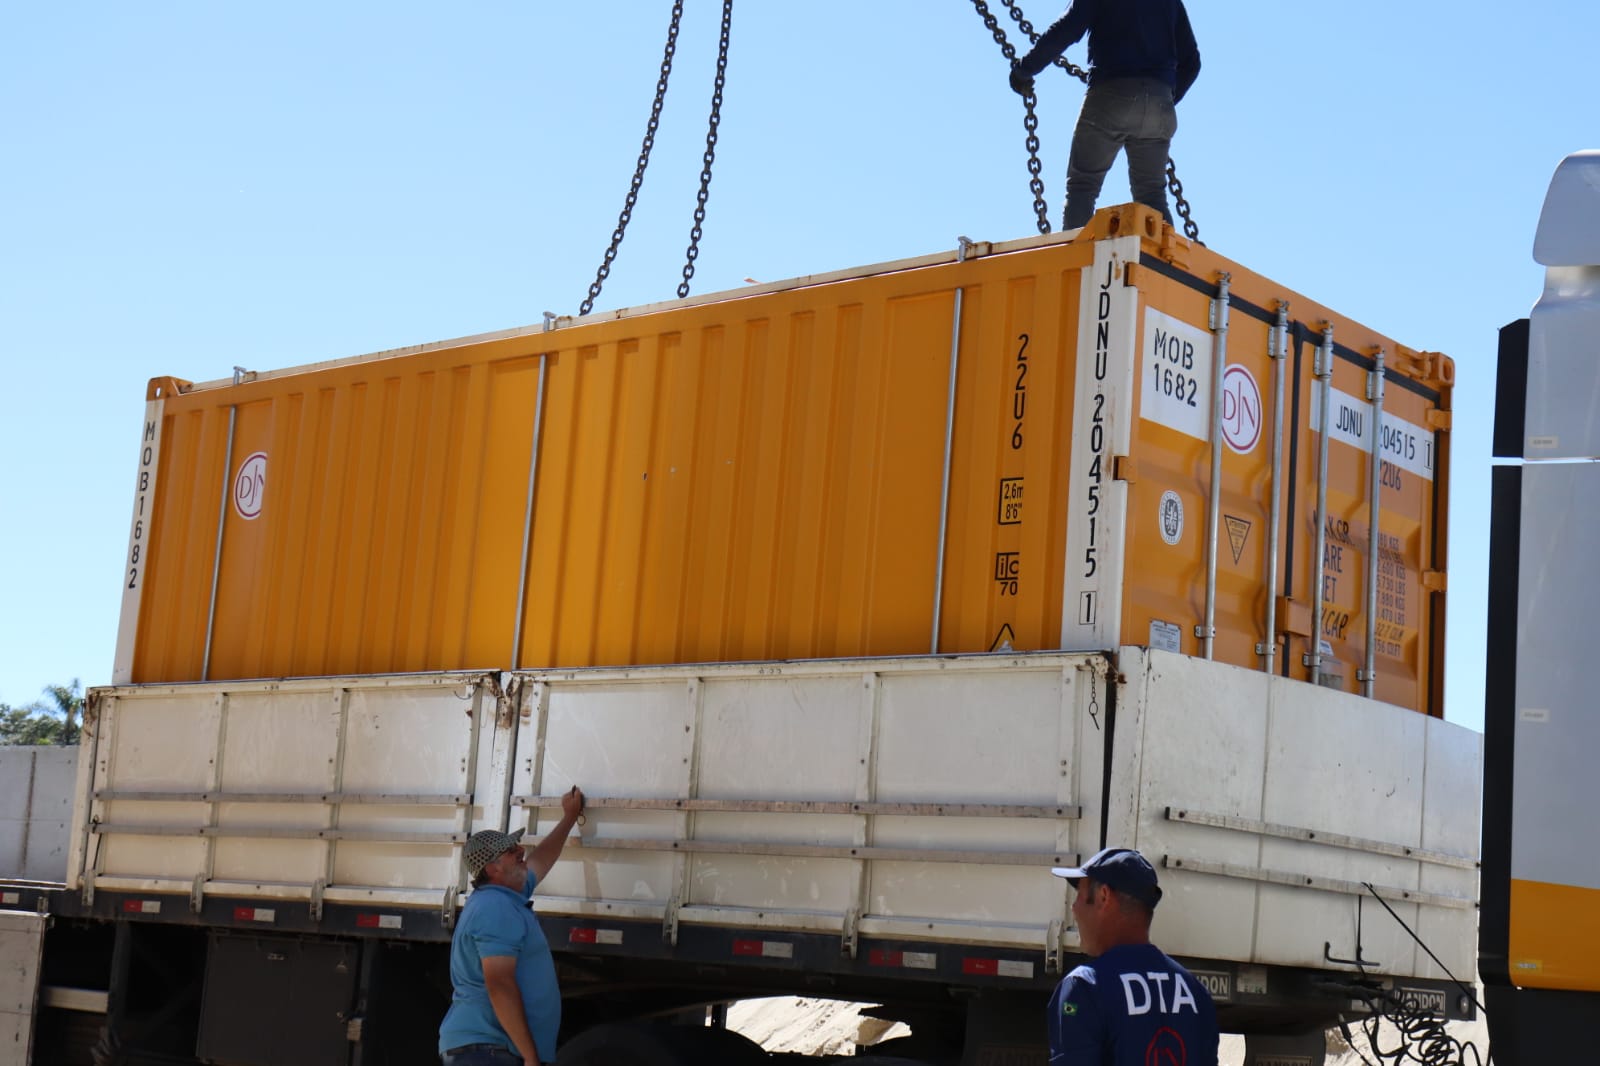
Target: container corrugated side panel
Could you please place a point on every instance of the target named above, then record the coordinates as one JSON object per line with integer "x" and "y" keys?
{"x": 1007, "y": 531}
{"x": 761, "y": 479}
{"x": 389, "y": 529}
{"x": 758, "y": 481}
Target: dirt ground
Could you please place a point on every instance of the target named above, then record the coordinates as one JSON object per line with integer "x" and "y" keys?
{"x": 824, "y": 1027}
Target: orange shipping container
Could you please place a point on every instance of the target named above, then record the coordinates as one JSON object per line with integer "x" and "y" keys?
{"x": 1015, "y": 444}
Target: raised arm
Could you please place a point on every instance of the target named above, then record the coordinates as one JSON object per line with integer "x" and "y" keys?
{"x": 547, "y": 851}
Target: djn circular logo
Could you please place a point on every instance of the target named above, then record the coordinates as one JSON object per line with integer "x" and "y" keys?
{"x": 1241, "y": 409}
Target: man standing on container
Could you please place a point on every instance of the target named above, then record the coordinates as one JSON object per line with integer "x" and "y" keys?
{"x": 506, "y": 1008}
{"x": 1142, "y": 59}
{"x": 1130, "y": 1005}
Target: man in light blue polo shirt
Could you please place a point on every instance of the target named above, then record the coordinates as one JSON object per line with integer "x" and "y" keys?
{"x": 506, "y": 1007}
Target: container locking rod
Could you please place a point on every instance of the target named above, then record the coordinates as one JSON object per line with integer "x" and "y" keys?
{"x": 1278, "y": 350}
{"x": 1207, "y": 631}
{"x": 1369, "y": 675}
{"x": 1324, "y": 375}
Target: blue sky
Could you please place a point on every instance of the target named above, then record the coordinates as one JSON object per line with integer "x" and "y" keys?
{"x": 188, "y": 187}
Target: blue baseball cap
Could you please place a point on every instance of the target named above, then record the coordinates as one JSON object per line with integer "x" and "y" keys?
{"x": 1122, "y": 869}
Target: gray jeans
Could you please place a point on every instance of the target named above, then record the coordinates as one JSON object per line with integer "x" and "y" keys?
{"x": 1132, "y": 113}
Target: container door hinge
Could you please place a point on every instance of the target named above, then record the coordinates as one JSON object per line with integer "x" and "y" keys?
{"x": 1434, "y": 580}
{"x": 352, "y": 1029}
{"x": 197, "y": 893}
{"x": 850, "y": 939}
{"x": 669, "y": 924}
{"x": 1124, "y": 468}
{"x": 1217, "y": 319}
{"x": 1438, "y": 420}
{"x": 1052, "y": 947}
{"x": 447, "y": 916}
{"x": 1375, "y": 382}
{"x": 317, "y": 889}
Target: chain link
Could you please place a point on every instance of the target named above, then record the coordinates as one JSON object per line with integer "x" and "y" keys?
{"x": 710, "y": 153}
{"x": 1033, "y": 38}
{"x": 1190, "y": 230}
{"x": 1185, "y": 212}
{"x": 1030, "y": 120}
{"x": 644, "y": 160}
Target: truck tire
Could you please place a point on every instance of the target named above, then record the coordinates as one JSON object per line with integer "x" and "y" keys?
{"x": 708, "y": 1044}
{"x": 658, "y": 1044}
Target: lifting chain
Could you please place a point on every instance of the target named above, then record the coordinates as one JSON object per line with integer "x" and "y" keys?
{"x": 1030, "y": 120}
{"x": 1185, "y": 212}
{"x": 1033, "y": 38}
{"x": 711, "y": 151}
{"x": 644, "y": 159}
{"x": 1190, "y": 230}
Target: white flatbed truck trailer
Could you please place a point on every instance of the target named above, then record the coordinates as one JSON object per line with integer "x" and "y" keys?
{"x": 269, "y": 872}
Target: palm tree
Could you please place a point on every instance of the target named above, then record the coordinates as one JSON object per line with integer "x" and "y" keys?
{"x": 68, "y": 699}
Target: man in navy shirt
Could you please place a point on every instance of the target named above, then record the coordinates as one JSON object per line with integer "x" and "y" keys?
{"x": 506, "y": 1007}
{"x": 1142, "y": 59}
{"x": 1130, "y": 1005}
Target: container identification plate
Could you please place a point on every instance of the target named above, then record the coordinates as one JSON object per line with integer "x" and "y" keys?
{"x": 1405, "y": 445}
{"x": 1175, "y": 375}
{"x": 141, "y": 532}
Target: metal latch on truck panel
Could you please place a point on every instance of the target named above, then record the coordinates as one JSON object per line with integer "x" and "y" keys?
{"x": 508, "y": 698}
{"x": 669, "y": 922}
{"x": 447, "y": 914}
{"x": 1052, "y": 946}
{"x": 849, "y": 941}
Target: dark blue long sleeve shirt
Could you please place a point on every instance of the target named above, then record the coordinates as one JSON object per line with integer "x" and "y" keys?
{"x": 1127, "y": 39}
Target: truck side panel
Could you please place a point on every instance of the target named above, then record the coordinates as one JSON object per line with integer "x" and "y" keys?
{"x": 920, "y": 799}
{"x": 358, "y": 788}
{"x": 1274, "y": 804}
